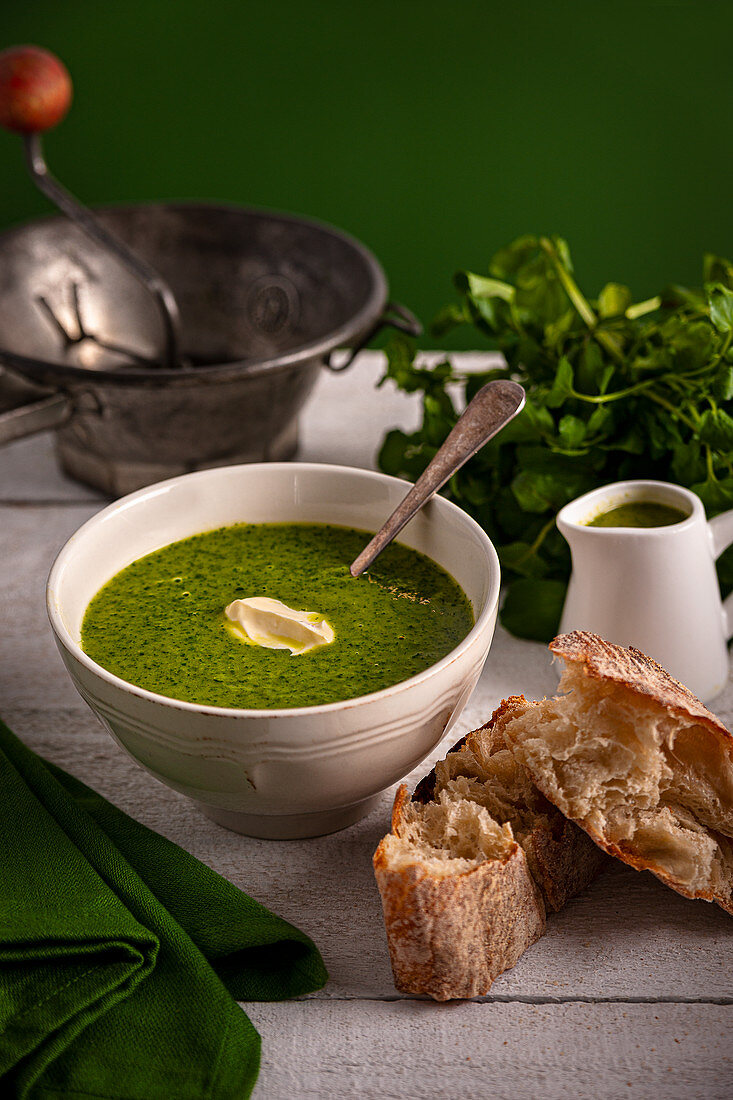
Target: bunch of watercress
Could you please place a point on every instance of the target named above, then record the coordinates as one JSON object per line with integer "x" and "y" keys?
{"x": 615, "y": 390}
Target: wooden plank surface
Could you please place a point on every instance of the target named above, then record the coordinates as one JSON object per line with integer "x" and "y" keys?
{"x": 628, "y": 994}
{"x": 503, "y": 1052}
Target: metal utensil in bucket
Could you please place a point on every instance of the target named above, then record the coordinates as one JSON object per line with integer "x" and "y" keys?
{"x": 164, "y": 338}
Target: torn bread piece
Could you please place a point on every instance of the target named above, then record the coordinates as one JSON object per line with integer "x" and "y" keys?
{"x": 634, "y": 758}
{"x": 474, "y": 861}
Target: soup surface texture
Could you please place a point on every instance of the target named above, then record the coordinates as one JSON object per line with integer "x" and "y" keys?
{"x": 638, "y": 513}
{"x": 160, "y": 623}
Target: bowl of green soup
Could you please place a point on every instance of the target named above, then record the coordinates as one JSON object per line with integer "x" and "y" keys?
{"x": 212, "y": 624}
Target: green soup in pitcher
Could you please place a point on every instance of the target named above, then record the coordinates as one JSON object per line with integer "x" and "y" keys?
{"x": 638, "y": 513}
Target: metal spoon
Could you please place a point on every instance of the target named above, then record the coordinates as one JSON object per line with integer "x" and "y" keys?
{"x": 492, "y": 408}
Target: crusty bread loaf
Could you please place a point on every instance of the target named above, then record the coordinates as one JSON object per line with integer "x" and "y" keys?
{"x": 473, "y": 862}
{"x": 634, "y": 758}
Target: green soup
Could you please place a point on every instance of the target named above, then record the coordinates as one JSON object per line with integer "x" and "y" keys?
{"x": 639, "y": 513}
{"x": 160, "y": 622}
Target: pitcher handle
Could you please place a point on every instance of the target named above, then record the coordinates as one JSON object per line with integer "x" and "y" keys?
{"x": 721, "y": 529}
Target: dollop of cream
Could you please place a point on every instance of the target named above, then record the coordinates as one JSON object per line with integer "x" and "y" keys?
{"x": 260, "y": 620}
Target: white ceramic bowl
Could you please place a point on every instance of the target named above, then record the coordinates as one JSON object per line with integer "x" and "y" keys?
{"x": 275, "y": 773}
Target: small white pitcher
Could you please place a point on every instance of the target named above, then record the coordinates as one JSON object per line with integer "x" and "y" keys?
{"x": 652, "y": 587}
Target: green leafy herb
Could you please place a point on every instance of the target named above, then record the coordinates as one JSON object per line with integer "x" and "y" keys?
{"x": 615, "y": 390}
{"x": 532, "y": 608}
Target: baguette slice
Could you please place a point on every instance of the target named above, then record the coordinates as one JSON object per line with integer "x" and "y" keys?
{"x": 635, "y": 759}
{"x": 474, "y": 861}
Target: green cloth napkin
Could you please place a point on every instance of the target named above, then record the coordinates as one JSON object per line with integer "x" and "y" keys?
{"x": 120, "y": 954}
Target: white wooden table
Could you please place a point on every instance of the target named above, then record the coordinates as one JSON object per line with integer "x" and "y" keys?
{"x": 630, "y": 992}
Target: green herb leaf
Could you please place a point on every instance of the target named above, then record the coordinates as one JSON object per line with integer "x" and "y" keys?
{"x": 400, "y": 352}
{"x": 601, "y": 419}
{"x": 448, "y": 318}
{"x": 391, "y": 457}
{"x": 544, "y": 491}
{"x": 688, "y": 462}
{"x": 613, "y": 300}
{"x": 716, "y": 429}
{"x": 722, "y": 384}
{"x": 532, "y": 608}
{"x": 717, "y": 270}
{"x": 571, "y": 431}
{"x": 720, "y": 301}
{"x": 562, "y": 386}
{"x": 717, "y": 496}
{"x": 520, "y": 557}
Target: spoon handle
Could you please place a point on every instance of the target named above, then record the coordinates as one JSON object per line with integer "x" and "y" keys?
{"x": 494, "y": 405}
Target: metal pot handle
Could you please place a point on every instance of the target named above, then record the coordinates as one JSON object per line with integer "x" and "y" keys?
{"x": 394, "y": 316}
{"x": 24, "y": 412}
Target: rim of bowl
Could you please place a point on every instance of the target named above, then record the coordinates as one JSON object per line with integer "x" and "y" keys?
{"x": 62, "y": 633}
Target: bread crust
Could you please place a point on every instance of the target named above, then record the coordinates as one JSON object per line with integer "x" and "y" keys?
{"x": 640, "y": 675}
{"x": 563, "y": 860}
{"x": 631, "y": 668}
{"x": 450, "y": 937}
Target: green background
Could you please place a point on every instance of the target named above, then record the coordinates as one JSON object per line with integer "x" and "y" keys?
{"x": 435, "y": 132}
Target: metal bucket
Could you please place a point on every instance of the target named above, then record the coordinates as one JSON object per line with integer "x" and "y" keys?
{"x": 265, "y": 300}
